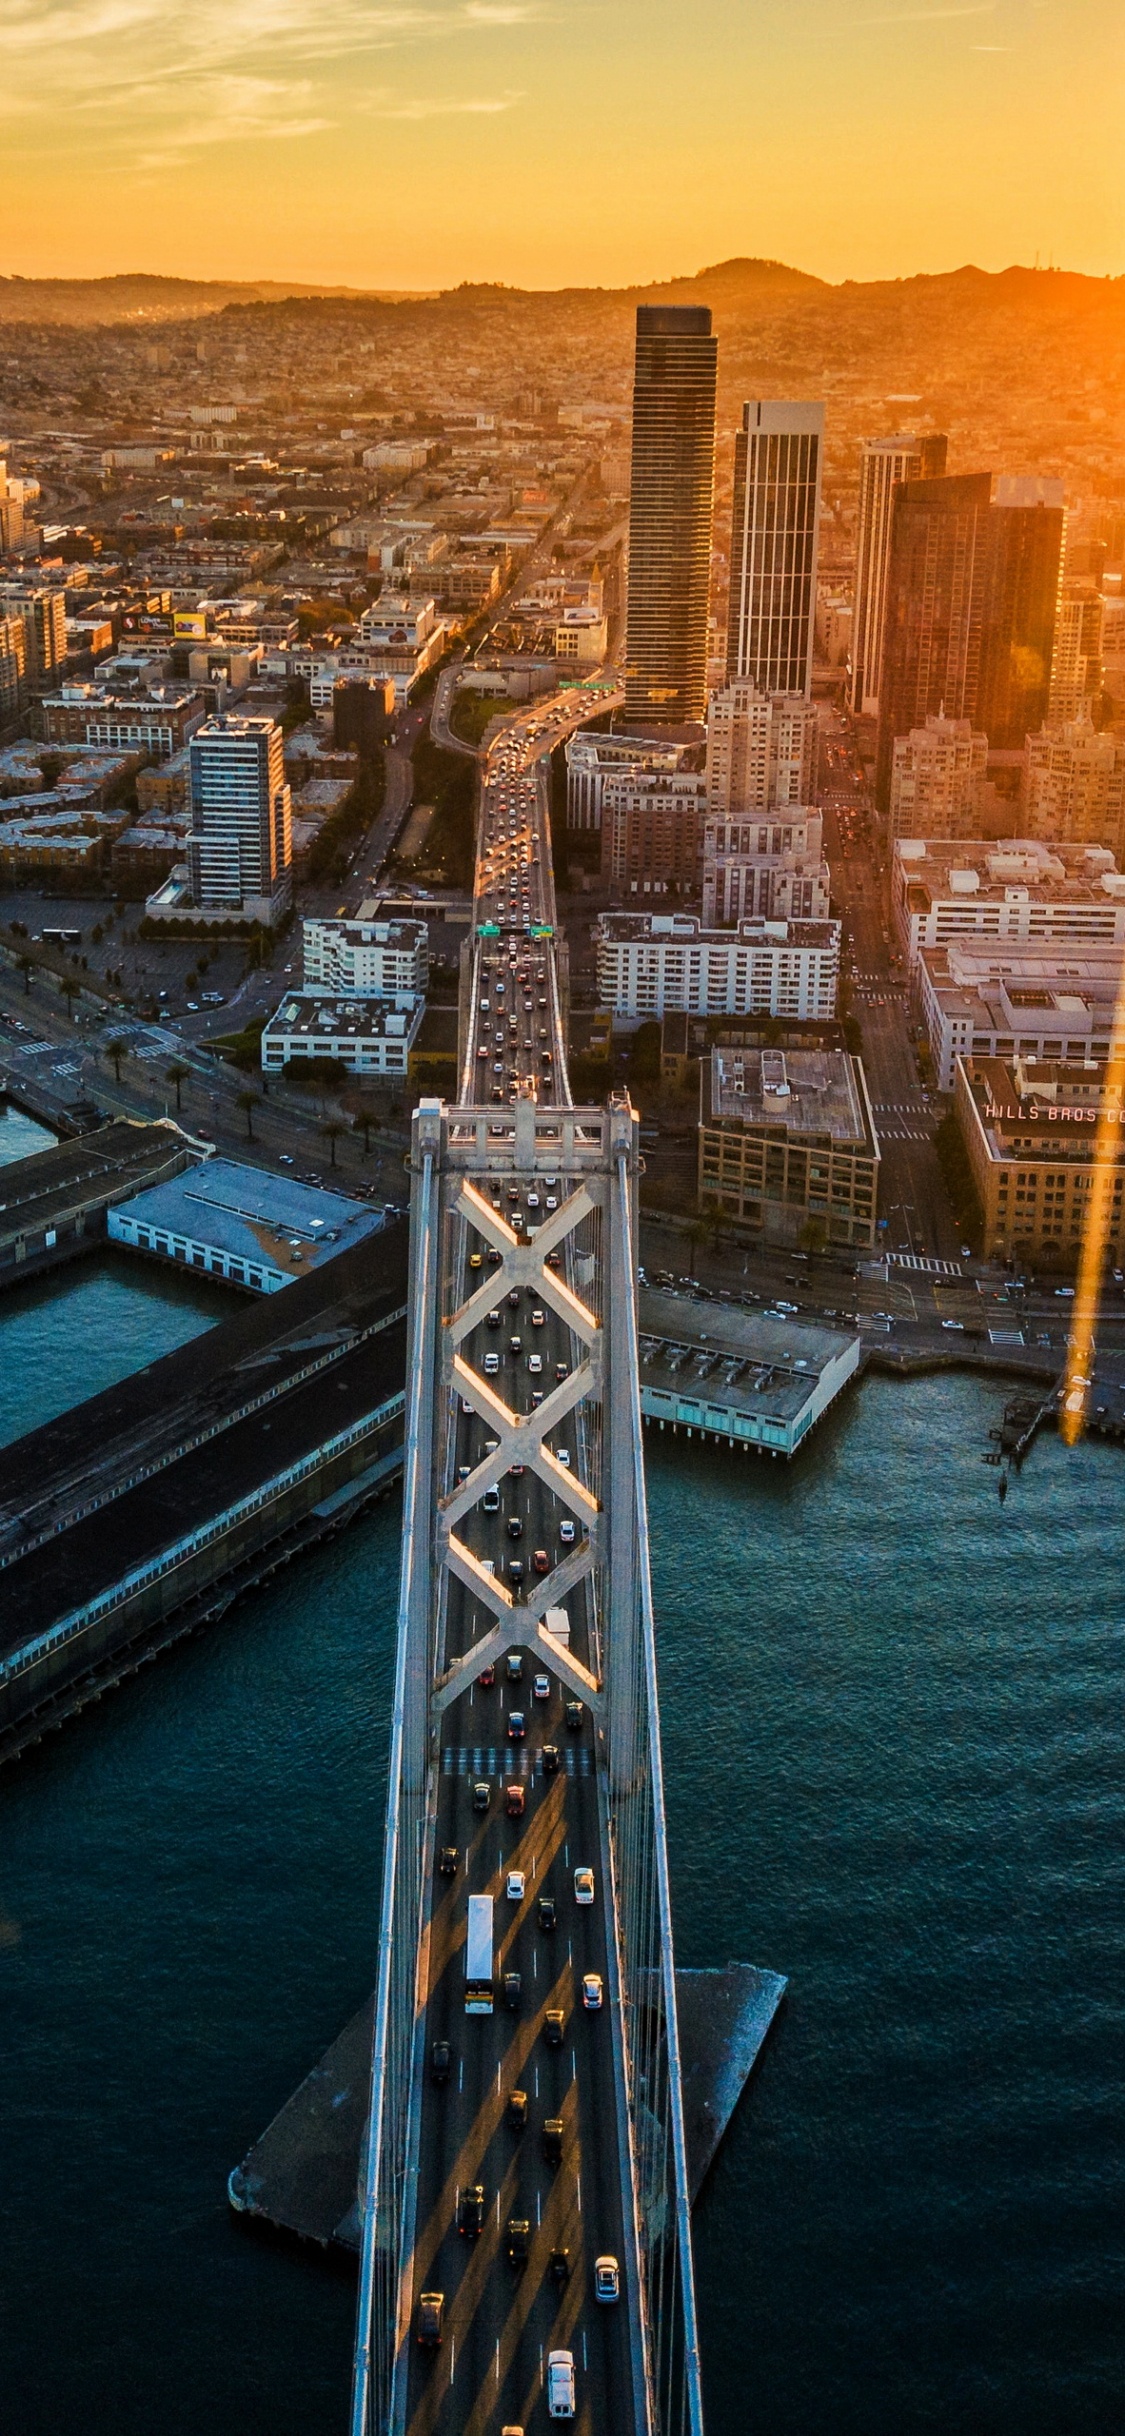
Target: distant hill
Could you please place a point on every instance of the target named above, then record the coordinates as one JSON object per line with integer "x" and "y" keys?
{"x": 137, "y": 295}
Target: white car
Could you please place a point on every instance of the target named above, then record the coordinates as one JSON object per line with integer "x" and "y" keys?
{"x": 607, "y": 2279}
{"x": 541, "y": 1687}
{"x": 592, "y": 1992}
{"x": 562, "y": 1455}
{"x": 568, "y": 1532}
{"x": 583, "y": 1886}
{"x": 535, "y": 1365}
{"x": 514, "y": 1887}
{"x": 560, "y": 2385}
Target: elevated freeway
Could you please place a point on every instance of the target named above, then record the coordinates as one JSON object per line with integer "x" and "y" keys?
{"x": 526, "y": 2119}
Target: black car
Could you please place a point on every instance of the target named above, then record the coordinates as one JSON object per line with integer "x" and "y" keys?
{"x": 441, "y": 2061}
{"x": 556, "y": 2024}
{"x": 447, "y": 1861}
{"x": 516, "y": 2240}
{"x": 481, "y": 1795}
{"x": 574, "y": 1716}
{"x": 553, "y": 2140}
{"x": 512, "y": 1984}
{"x": 515, "y": 1526}
{"x": 558, "y": 2266}
{"x": 517, "y": 2108}
{"x": 495, "y": 1319}
{"x": 550, "y": 1757}
{"x": 470, "y": 2211}
{"x": 514, "y": 1298}
{"x": 430, "y": 2308}
{"x": 547, "y": 1912}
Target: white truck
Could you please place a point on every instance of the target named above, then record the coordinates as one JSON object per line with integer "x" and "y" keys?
{"x": 478, "y": 1955}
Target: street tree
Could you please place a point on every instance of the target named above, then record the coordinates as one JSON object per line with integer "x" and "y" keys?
{"x": 248, "y": 1101}
{"x": 178, "y": 1074}
{"x": 117, "y": 1050}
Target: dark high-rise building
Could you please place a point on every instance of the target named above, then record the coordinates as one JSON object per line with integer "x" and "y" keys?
{"x": 932, "y": 620}
{"x": 972, "y": 600}
{"x": 908, "y": 457}
{"x": 670, "y": 514}
{"x": 1020, "y": 607}
{"x": 363, "y": 710}
{"x": 775, "y": 527}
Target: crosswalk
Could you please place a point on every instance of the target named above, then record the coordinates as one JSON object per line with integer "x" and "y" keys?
{"x": 514, "y": 1759}
{"x": 903, "y": 1133}
{"x": 930, "y": 1268}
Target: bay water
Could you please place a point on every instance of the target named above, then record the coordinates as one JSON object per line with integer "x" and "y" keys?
{"x": 893, "y": 1733}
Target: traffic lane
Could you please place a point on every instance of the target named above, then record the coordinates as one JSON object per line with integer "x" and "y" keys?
{"x": 496, "y": 2322}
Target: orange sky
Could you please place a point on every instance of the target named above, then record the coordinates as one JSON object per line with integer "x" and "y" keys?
{"x": 414, "y": 143}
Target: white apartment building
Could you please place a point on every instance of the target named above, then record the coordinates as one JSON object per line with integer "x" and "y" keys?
{"x": 1020, "y": 890}
{"x": 366, "y": 959}
{"x": 590, "y": 760}
{"x": 937, "y": 773}
{"x": 240, "y": 849}
{"x": 774, "y": 865}
{"x": 980, "y": 1000}
{"x": 368, "y": 1036}
{"x": 761, "y": 749}
{"x": 648, "y": 964}
{"x": 1073, "y": 789}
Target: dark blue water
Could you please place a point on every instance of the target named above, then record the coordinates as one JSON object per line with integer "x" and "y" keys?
{"x": 20, "y": 1136}
{"x": 893, "y": 1731}
{"x": 75, "y": 1330}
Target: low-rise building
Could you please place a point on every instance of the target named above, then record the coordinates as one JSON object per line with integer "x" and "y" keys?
{"x": 367, "y": 1035}
{"x": 772, "y": 864}
{"x": 1033, "y": 1140}
{"x": 978, "y": 999}
{"x": 354, "y": 958}
{"x": 1023, "y": 889}
{"x": 755, "y": 1379}
{"x": 649, "y": 962}
{"x": 787, "y": 1145}
{"x": 582, "y": 638}
{"x": 242, "y": 1224}
{"x": 156, "y": 719}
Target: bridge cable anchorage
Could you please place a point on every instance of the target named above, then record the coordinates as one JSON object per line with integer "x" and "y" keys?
{"x": 484, "y": 1174}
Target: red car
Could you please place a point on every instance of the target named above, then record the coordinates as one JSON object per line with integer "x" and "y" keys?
{"x": 487, "y": 1677}
{"x": 515, "y": 1801}
{"x": 541, "y": 1561}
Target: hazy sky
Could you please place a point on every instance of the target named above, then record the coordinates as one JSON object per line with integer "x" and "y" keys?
{"x": 414, "y": 143}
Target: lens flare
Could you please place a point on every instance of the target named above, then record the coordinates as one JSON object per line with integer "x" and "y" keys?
{"x": 1081, "y": 1351}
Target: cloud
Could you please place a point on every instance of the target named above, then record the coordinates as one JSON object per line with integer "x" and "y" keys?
{"x": 159, "y": 80}
{"x": 925, "y": 16}
{"x": 485, "y": 106}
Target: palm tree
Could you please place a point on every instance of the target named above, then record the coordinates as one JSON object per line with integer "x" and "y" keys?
{"x": 248, "y": 1101}
{"x": 177, "y": 1074}
{"x": 27, "y": 967}
{"x": 116, "y": 1050}
{"x": 69, "y": 989}
{"x": 364, "y": 1123}
{"x": 332, "y": 1132}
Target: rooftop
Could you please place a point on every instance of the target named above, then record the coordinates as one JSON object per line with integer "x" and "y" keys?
{"x": 328, "y": 1018}
{"x": 808, "y": 1091}
{"x": 1044, "y": 1107}
{"x": 758, "y": 1362}
{"x": 253, "y": 1214}
{"x": 687, "y": 930}
{"x": 980, "y": 868}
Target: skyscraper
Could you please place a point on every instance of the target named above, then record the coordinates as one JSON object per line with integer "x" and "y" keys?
{"x": 905, "y": 458}
{"x": 934, "y": 608}
{"x": 775, "y": 527}
{"x": 670, "y": 514}
{"x": 240, "y": 849}
{"x": 1077, "y": 672}
{"x": 1024, "y": 534}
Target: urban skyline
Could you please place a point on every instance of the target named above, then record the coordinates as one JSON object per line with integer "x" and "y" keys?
{"x": 562, "y": 1217}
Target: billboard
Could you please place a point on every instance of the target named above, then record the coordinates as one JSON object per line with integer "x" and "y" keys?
{"x": 190, "y": 626}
